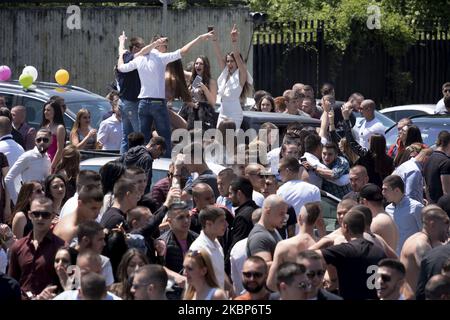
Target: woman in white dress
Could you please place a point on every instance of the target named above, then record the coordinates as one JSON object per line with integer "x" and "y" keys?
{"x": 234, "y": 82}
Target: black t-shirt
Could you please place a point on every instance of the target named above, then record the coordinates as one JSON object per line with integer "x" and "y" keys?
{"x": 9, "y": 288}
{"x": 339, "y": 119}
{"x": 438, "y": 164}
{"x": 260, "y": 240}
{"x": 352, "y": 261}
{"x": 112, "y": 218}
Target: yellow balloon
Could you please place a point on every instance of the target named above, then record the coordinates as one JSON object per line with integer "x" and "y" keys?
{"x": 62, "y": 77}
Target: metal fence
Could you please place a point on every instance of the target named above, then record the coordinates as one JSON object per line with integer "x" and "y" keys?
{"x": 287, "y": 53}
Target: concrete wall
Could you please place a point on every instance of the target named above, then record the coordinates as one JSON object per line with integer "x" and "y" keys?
{"x": 40, "y": 37}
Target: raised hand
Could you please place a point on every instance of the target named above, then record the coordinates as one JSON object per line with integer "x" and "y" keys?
{"x": 122, "y": 37}
{"x": 234, "y": 34}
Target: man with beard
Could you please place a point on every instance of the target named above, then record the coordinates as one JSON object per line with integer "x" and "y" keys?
{"x": 254, "y": 275}
{"x": 31, "y": 165}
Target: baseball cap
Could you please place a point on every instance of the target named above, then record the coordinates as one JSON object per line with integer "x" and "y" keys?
{"x": 371, "y": 192}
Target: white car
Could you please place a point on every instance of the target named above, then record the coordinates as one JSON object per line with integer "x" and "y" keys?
{"x": 160, "y": 166}
{"x": 406, "y": 111}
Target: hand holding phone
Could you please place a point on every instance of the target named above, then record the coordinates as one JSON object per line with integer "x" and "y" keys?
{"x": 210, "y": 28}
{"x": 197, "y": 81}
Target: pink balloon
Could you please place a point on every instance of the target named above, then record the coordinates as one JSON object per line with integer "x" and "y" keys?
{"x": 5, "y": 73}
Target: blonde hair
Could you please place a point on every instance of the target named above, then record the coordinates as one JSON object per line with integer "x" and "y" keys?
{"x": 202, "y": 260}
{"x": 76, "y": 125}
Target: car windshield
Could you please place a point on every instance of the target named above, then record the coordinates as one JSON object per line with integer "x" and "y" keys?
{"x": 428, "y": 129}
{"x": 97, "y": 108}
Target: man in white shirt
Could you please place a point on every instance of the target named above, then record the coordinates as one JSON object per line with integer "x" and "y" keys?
{"x": 110, "y": 132}
{"x": 440, "y": 106}
{"x": 151, "y": 66}
{"x": 8, "y": 146}
{"x": 253, "y": 172}
{"x": 294, "y": 191}
{"x": 370, "y": 125}
{"x": 34, "y": 164}
{"x": 214, "y": 224}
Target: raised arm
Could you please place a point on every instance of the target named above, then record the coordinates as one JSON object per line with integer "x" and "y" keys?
{"x": 237, "y": 56}
{"x": 185, "y": 49}
{"x": 146, "y": 50}
{"x": 356, "y": 147}
{"x": 217, "y": 52}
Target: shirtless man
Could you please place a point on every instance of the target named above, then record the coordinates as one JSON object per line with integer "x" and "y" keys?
{"x": 434, "y": 233}
{"x": 288, "y": 250}
{"x": 90, "y": 201}
{"x": 382, "y": 223}
{"x": 343, "y": 207}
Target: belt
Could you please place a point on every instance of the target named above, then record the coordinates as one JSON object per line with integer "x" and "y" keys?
{"x": 153, "y": 100}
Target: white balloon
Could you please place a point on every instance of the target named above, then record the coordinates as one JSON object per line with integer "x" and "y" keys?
{"x": 31, "y": 71}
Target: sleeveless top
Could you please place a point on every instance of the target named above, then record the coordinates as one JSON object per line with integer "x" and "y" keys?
{"x": 210, "y": 294}
{"x": 53, "y": 147}
{"x": 90, "y": 144}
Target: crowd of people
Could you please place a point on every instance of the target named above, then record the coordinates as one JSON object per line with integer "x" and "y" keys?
{"x": 220, "y": 229}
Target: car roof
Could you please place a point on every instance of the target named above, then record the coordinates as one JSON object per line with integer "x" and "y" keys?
{"x": 422, "y": 107}
{"x": 281, "y": 118}
{"x": 45, "y": 90}
{"x": 158, "y": 164}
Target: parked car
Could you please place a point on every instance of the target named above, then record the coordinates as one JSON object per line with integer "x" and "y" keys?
{"x": 161, "y": 168}
{"x": 33, "y": 100}
{"x": 429, "y": 125}
{"x": 406, "y": 111}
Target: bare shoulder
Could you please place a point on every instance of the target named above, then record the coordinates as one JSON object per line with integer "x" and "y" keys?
{"x": 219, "y": 294}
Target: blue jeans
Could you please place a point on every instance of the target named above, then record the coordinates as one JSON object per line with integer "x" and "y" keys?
{"x": 155, "y": 111}
{"x": 130, "y": 122}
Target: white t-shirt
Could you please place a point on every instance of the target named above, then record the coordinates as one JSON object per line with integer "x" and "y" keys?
{"x": 74, "y": 295}
{"x": 296, "y": 193}
{"x": 238, "y": 255}
{"x": 110, "y": 133}
{"x": 273, "y": 157}
{"x": 107, "y": 270}
{"x": 152, "y": 70}
{"x": 215, "y": 252}
{"x": 440, "y": 107}
{"x": 258, "y": 198}
{"x": 368, "y": 129}
{"x": 70, "y": 206}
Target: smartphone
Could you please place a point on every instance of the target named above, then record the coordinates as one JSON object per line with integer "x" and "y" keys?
{"x": 197, "y": 81}
{"x": 210, "y": 28}
{"x": 302, "y": 159}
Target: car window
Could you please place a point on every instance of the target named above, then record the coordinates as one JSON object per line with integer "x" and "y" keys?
{"x": 429, "y": 132}
{"x": 408, "y": 113}
{"x": 34, "y": 111}
{"x": 9, "y": 99}
{"x": 158, "y": 175}
{"x": 329, "y": 213}
{"x": 390, "y": 115}
{"x": 97, "y": 108}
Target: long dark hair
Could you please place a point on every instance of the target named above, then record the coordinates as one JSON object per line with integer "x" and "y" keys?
{"x": 247, "y": 90}
{"x": 206, "y": 76}
{"x": 413, "y": 135}
{"x": 177, "y": 81}
{"x": 268, "y": 98}
{"x": 24, "y": 198}
{"x": 122, "y": 274}
{"x": 110, "y": 173}
{"x": 383, "y": 163}
{"x": 48, "y": 182}
{"x": 58, "y": 117}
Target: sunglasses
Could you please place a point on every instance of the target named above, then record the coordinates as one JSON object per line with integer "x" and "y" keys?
{"x": 255, "y": 275}
{"x": 43, "y": 214}
{"x": 385, "y": 277}
{"x": 311, "y": 273}
{"x": 45, "y": 140}
{"x": 304, "y": 285}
